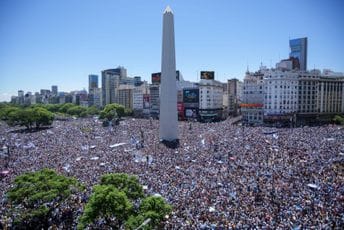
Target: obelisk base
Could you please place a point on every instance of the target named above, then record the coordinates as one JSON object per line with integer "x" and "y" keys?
{"x": 171, "y": 144}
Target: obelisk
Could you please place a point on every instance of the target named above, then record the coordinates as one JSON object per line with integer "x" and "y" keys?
{"x": 168, "y": 91}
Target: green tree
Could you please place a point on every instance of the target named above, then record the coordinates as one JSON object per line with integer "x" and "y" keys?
{"x": 4, "y": 110}
{"x": 119, "y": 109}
{"x": 20, "y": 117}
{"x": 29, "y": 117}
{"x": 76, "y": 110}
{"x": 134, "y": 221}
{"x": 155, "y": 208}
{"x": 35, "y": 194}
{"x": 109, "y": 203}
{"x": 10, "y": 115}
{"x": 113, "y": 200}
{"x": 127, "y": 183}
{"x": 65, "y": 107}
{"x": 110, "y": 115}
{"x": 92, "y": 110}
{"x": 54, "y": 108}
{"x": 338, "y": 120}
{"x": 42, "y": 117}
{"x": 128, "y": 112}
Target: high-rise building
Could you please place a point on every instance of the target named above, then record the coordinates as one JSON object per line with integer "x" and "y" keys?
{"x": 154, "y": 102}
{"x": 92, "y": 82}
{"x": 125, "y": 96}
{"x": 253, "y": 97}
{"x": 281, "y": 99}
{"x": 138, "y": 98}
{"x": 137, "y": 81}
{"x": 110, "y": 82}
{"x": 20, "y": 97}
{"x": 233, "y": 91}
{"x": 20, "y": 93}
{"x": 298, "y": 52}
{"x": 54, "y": 90}
{"x": 210, "y": 98}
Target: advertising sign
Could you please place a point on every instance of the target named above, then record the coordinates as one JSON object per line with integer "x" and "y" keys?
{"x": 191, "y": 95}
{"x": 191, "y": 112}
{"x": 207, "y": 75}
{"x": 146, "y": 104}
{"x": 156, "y": 78}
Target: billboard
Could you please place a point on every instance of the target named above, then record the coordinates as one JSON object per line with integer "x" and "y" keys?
{"x": 191, "y": 95}
{"x": 156, "y": 78}
{"x": 191, "y": 112}
{"x": 208, "y": 75}
{"x": 146, "y": 104}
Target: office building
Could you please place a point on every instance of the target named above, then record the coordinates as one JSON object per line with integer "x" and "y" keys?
{"x": 210, "y": 97}
{"x": 281, "y": 98}
{"x": 331, "y": 95}
{"x": 253, "y": 97}
{"x": 54, "y": 90}
{"x": 111, "y": 79}
{"x": 137, "y": 81}
{"x": 92, "y": 82}
{"x": 125, "y": 96}
{"x": 139, "y": 93}
{"x": 233, "y": 94}
{"x": 298, "y": 51}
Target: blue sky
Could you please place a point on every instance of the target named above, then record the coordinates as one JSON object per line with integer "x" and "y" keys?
{"x": 60, "y": 42}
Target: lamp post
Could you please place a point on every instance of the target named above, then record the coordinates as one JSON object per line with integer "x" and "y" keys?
{"x": 144, "y": 223}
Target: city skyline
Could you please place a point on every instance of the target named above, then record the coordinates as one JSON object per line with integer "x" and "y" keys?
{"x": 61, "y": 43}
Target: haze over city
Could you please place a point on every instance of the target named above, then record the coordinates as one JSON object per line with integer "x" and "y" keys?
{"x": 46, "y": 43}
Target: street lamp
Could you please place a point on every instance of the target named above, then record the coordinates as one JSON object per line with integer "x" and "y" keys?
{"x": 144, "y": 223}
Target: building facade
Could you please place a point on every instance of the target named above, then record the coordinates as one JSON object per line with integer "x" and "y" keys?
{"x": 331, "y": 95}
{"x": 92, "y": 82}
{"x": 210, "y": 100}
{"x": 281, "y": 99}
{"x": 233, "y": 93}
{"x": 54, "y": 90}
{"x": 154, "y": 90}
{"x": 111, "y": 79}
{"x": 252, "y": 106}
{"x": 125, "y": 96}
{"x": 298, "y": 51}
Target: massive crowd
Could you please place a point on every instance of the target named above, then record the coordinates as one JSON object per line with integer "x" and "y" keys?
{"x": 222, "y": 176}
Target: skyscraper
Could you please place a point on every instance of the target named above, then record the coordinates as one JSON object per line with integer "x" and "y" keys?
{"x": 54, "y": 90}
{"x": 168, "y": 105}
{"x": 298, "y": 52}
{"x": 110, "y": 82}
{"x": 92, "y": 82}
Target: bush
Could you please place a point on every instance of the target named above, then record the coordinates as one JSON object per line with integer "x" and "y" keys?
{"x": 338, "y": 120}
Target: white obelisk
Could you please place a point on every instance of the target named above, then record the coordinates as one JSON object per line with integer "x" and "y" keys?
{"x": 168, "y": 90}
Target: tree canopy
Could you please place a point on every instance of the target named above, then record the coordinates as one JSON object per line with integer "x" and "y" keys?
{"x": 338, "y": 120}
{"x": 120, "y": 201}
{"x": 37, "y": 194}
{"x": 127, "y": 183}
{"x": 28, "y": 117}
